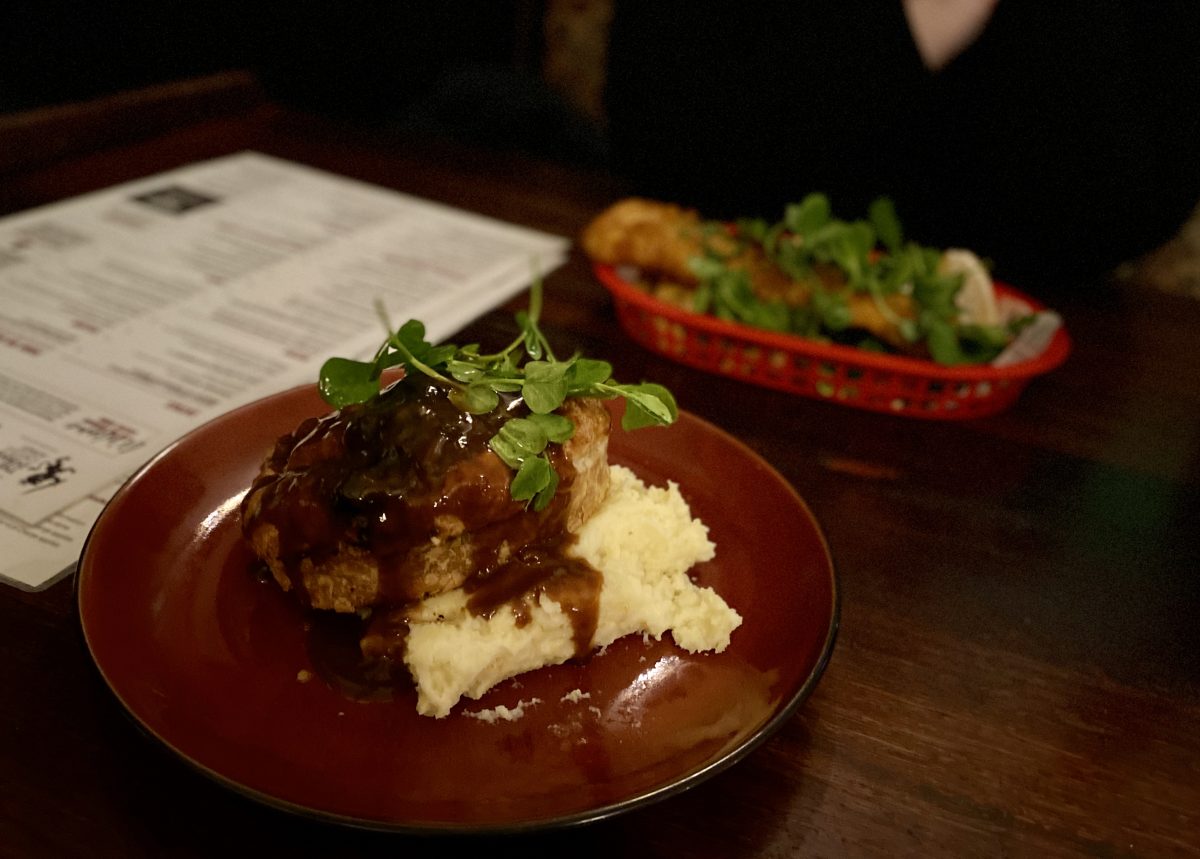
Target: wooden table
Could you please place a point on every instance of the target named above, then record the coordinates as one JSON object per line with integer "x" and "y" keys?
{"x": 1018, "y": 666}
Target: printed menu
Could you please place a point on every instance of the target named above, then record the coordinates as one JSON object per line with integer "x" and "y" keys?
{"x": 134, "y": 314}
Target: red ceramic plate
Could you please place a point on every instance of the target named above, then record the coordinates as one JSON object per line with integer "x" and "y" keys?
{"x": 208, "y": 658}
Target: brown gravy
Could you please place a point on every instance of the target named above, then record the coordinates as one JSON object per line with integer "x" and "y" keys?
{"x": 540, "y": 568}
{"x": 543, "y": 569}
{"x": 377, "y": 476}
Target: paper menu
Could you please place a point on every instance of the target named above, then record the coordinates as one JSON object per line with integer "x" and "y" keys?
{"x": 133, "y": 314}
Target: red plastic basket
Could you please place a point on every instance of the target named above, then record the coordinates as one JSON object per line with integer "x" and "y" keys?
{"x": 843, "y": 374}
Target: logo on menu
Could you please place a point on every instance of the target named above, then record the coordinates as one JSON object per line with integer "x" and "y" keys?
{"x": 174, "y": 199}
{"x": 49, "y": 473}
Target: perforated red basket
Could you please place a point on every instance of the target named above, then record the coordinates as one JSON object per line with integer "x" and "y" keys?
{"x": 843, "y": 374}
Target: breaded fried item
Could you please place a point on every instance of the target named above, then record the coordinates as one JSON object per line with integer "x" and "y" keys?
{"x": 401, "y": 498}
{"x": 660, "y": 239}
{"x": 657, "y": 237}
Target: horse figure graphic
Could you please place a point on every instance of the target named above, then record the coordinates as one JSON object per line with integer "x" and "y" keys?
{"x": 50, "y": 473}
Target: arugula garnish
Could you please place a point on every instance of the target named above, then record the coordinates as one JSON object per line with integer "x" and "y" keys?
{"x": 875, "y": 260}
{"x": 475, "y": 381}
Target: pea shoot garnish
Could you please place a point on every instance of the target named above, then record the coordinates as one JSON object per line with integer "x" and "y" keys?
{"x": 877, "y": 267}
{"x": 474, "y": 382}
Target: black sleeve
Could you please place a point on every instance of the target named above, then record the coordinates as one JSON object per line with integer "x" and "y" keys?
{"x": 1060, "y": 143}
{"x": 740, "y": 108}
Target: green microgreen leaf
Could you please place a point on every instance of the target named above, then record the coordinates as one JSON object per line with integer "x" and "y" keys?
{"x": 545, "y": 386}
{"x": 534, "y": 475}
{"x": 809, "y": 215}
{"x": 412, "y": 335}
{"x": 882, "y": 214}
{"x": 832, "y": 310}
{"x": 517, "y": 440}
{"x": 343, "y": 381}
{"x": 477, "y": 383}
{"x": 943, "y": 342}
{"x": 647, "y": 405}
{"x": 586, "y": 372}
{"x": 478, "y": 398}
{"x": 464, "y": 371}
{"x": 542, "y": 500}
{"x": 558, "y": 428}
{"x": 705, "y": 267}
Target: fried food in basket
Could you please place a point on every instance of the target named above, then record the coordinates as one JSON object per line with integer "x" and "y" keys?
{"x": 810, "y": 274}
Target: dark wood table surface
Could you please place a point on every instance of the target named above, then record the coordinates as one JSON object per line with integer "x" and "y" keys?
{"x": 1018, "y": 666}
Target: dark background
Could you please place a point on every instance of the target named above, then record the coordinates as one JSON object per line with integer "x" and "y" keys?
{"x": 1059, "y": 144}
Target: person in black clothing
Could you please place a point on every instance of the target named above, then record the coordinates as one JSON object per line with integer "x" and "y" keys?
{"x": 1062, "y": 141}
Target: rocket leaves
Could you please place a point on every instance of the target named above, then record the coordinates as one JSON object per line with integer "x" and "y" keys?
{"x": 840, "y": 262}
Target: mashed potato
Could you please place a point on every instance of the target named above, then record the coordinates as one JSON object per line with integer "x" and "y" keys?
{"x": 642, "y": 539}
